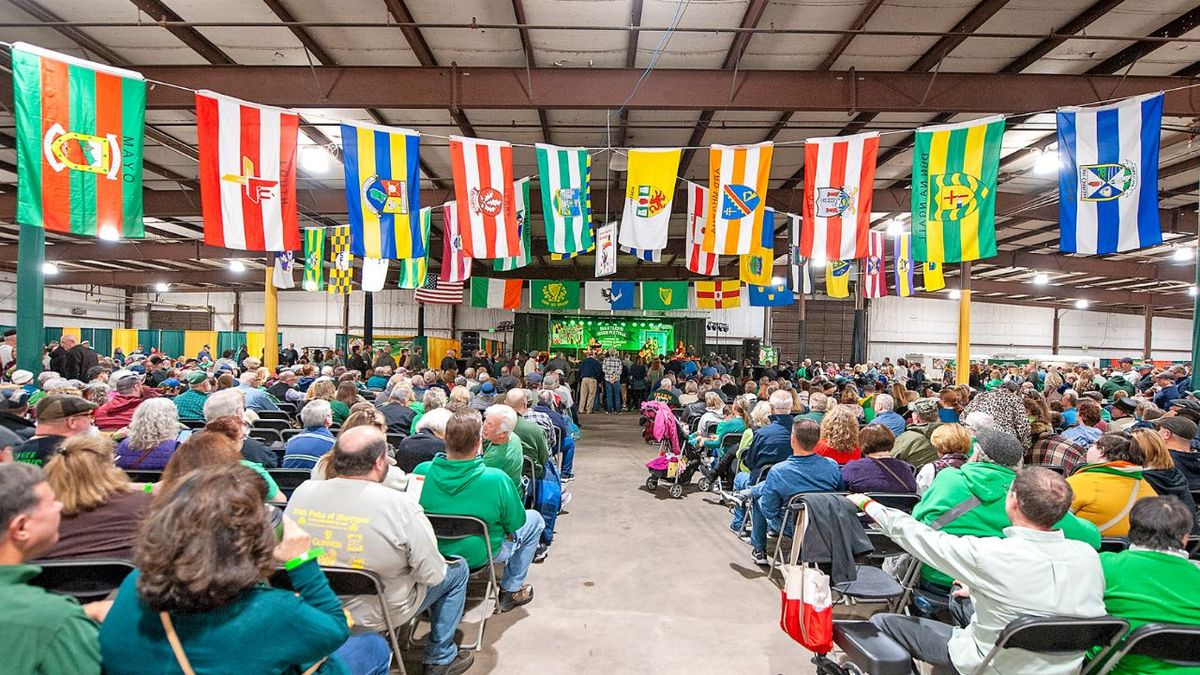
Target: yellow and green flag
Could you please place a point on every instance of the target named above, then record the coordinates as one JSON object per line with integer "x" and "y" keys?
{"x": 314, "y": 258}
{"x": 837, "y": 279}
{"x": 413, "y": 270}
{"x": 954, "y": 190}
{"x": 931, "y": 276}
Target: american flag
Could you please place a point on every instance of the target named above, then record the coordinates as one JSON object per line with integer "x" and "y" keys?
{"x": 436, "y": 292}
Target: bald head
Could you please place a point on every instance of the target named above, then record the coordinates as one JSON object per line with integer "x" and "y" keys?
{"x": 360, "y": 452}
{"x": 516, "y": 399}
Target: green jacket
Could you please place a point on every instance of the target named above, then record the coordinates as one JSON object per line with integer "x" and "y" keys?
{"x": 914, "y": 446}
{"x": 467, "y": 487}
{"x": 533, "y": 444}
{"x": 1150, "y": 587}
{"x": 507, "y": 458}
{"x": 989, "y": 482}
{"x": 44, "y": 632}
{"x": 1116, "y": 384}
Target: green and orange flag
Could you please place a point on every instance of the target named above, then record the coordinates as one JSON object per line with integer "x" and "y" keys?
{"x": 79, "y": 128}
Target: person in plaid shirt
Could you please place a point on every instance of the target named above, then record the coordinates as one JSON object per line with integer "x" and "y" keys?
{"x": 612, "y": 367}
{"x": 1054, "y": 450}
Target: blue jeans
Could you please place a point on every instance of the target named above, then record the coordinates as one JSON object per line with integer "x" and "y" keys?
{"x": 740, "y": 482}
{"x": 612, "y": 396}
{"x": 519, "y": 551}
{"x": 445, "y": 603}
{"x": 365, "y": 654}
{"x": 568, "y": 457}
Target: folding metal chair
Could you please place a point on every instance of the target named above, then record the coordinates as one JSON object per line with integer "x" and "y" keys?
{"x": 85, "y": 580}
{"x": 454, "y": 528}
{"x": 268, "y": 423}
{"x": 1113, "y": 544}
{"x": 144, "y": 475}
{"x": 529, "y": 482}
{"x": 289, "y": 479}
{"x": 193, "y": 424}
{"x": 269, "y": 436}
{"x": 1056, "y": 635}
{"x": 273, "y": 415}
{"x": 1176, "y": 644}
{"x": 287, "y": 434}
{"x": 394, "y": 439}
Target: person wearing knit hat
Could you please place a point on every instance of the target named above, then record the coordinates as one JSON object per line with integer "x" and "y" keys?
{"x": 997, "y": 447}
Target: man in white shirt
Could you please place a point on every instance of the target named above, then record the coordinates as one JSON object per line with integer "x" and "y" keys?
{"x": 1032, "y": 571}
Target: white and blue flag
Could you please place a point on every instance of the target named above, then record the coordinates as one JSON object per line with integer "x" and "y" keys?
{"x": 1108, "y": 176}
{"x": 647, "y": 254}
{"x": 608, "y": 295}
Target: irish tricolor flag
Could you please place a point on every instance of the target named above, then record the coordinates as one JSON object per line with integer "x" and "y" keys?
{"x": 79, "y": 144}
{"x": 496, "y": 293}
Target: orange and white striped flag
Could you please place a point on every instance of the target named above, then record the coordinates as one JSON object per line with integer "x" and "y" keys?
{"x": 483, "y": 189}
{"x": 737, "y": 196}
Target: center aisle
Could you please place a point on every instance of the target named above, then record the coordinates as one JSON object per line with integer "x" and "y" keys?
{"x": 637, "y": 582}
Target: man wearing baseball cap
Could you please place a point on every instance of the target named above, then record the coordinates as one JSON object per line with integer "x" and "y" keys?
{"x": 1177, "y": 432}
{"x": 14, "y": 411}
{"x": 190, "y": 403}
{"x": 59, "y": 417}
{"x": 130, "y": 393}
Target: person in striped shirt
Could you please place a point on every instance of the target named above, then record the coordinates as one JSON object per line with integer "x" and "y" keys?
{"x": 305, "y": 448}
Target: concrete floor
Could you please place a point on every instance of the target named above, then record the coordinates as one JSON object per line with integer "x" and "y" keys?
{"x": 637, "y": 582}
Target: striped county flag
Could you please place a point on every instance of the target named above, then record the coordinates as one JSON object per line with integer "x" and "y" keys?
{"x": 496, "y": 293}
{"x": 698, "y": 260}
{"x": 718, "y": 294}
{"x": 483, "y": 192}
{"x": 649, "y": 193}
{"x": 875, "y": 272}
{"x": 79, "y": 141}
{"x": 839, "y": 175}
{"x": 737, "y": 196}
{"x": 800, "y": 268}
{"x": 565, "y": 177}
{"x": 456, "y": 264}
{"x": 524, "y": 227}
{"x": 383, "y": 190}
{"x": 903, "y": 262}
{"x": 247, "y": 174}
{"x": 413, "y": 270}
{"x": 314, "y": 258}
{"x": 374, "y": 274}
{"x": 646, "y": 255}
{"x": 437, "y": 292}
{"x": 573, "y": 254}
{"x": 1108, "y": 176}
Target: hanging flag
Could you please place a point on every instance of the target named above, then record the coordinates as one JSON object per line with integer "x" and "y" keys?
{"x": 1108, "y": 176}
{"x": 737, "y": 196}
{"x": 647, "y": 255}
{"x": 573, "y": 254}
{"x": 649, "y": 192}
{"x": 931, "y": 276}
{"x": 800, "y": 268}
{"x": 606, "y": 256}
{"x": 483, "y": 191}
{"x": 414, "y": 270}
{"x": 374, "y": 274}
{"x": 771, "y": 295}
{"x": 342, "y": 269}
{"x": 565, "y": 177}
{"x": 437, "y": 292}
{"x": 664, "y": 295}
{"x": 698, "y": 260}
{"x": 609, "y": 295}
{"x": 875, "y": 272}
{"x": 314, "y": 258}
{"x": 718, "y": 294}
{"x": 79, "y": 141}
{"x": 902, "y": 252}
{"x": 383, "y": 190}
{"x": 496, "y": 293}
{"x": 281, "y": 276}
{"x": 757, "y": 266}
{"x": 954, "y": 190}
{"x": 545, "y": 294}
{"x": 456, "y": 264}
{"x": 837, "y": 279}
{"x": 524, "y": 227}
{"x": 839, "y": 175}
{"x": 247, "y": 174}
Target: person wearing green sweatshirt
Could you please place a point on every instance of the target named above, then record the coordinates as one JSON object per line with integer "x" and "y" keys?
{"x": 1153, "y": 581}
{"x": 501, "y": 447}
{"x": 459, "y": 483}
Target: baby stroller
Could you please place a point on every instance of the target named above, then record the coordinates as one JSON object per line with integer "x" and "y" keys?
{"x": 677, "y": 460}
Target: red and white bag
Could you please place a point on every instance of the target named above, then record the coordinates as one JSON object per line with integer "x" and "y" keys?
{"x": 807, "y": 613}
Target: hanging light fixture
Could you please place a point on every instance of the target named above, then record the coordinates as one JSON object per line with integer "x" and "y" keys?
{"x": 1047, "y": 161}
{"x": 1081, "y": 304}
{"x": 1041, "y": 279}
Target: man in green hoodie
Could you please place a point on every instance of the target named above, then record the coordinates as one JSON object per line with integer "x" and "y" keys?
{"x": 460, "y": 484}
{"x": 501, "y": 447}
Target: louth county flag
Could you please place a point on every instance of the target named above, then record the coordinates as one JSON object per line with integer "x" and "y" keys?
{"x": 757, "y": 266}
{"x": 414, "y": 270}
{"x": 902, "y": 259}
{"x": 547, "y": 294}
{"x": 341, "y": 270}
{"x": 565, "y": 177}
{"x": 483, "y": 191}
{"x": 837, "y": 279}
{"x": 609, "y": 295}
{"x": 435, "y": 292}
{"x": 771, "y": 295}
{"x": 314, "y": 258}
{"x": 79, "y": 140}
{"x": 839, "y": 175}
{"x": 664, "y": 295}
{"x": 954, "y": 190}
{"x": 1108, "y": 176}
{"x": 524, "y": 227}
{"x": 456, "y": 263}
{"x": 931, "y": 276}
{"x": 374, "y": 274}
{"x": 383, "y": 190}
{"x": 698, "y": 260}
{"x": 647, "y": 255}
{"x": 247, "y": 174}
{"x": 649, "y": 193}
{"x": 718, "y": 294}
{"x": 281, "y": 275}
{"x": 737, "y": 196}
{"x": 875, "y": 269}
{"x": 496, "y": 293}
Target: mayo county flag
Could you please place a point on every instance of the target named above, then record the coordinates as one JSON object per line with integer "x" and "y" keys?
{"x": 875, "y": 274}
{"x": 648, "y": 255}
{"x": 524, "y": 227}
{"x": 737, "y": 196}
{"x": 698, "y": 260}
{"x": 649, "y": 192}
{"x": 837, "y": 279}
{"x": 902, "y": 254}
{"x": 383, "y": 191}
{"x": 664, "y": 295}
{"x": 771, "y": 295}
{"x": 954, "y": 190}
{"x": 456, "y": 262}
{"x": 931, "y": 276}
{"x": 718, "y": 294}
{"x": 496, "y": 293}
{"x": 1108, "y": 176}
{"x": 609, "y": 295}
{"x": 755, "y": 267}
{"x": 565, "y": 177}
{"x": 839, "y": 174}
{"x": 483, "y": 192}
{"x": 414, "y": 270}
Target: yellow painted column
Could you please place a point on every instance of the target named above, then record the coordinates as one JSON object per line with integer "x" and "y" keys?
{"x": 270, "y": 320}
{"x": 962, "y": 366}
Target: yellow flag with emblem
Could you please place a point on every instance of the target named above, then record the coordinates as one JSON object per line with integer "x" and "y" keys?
{"x": 931, "y": 275}
{"x": 837, "y": 279}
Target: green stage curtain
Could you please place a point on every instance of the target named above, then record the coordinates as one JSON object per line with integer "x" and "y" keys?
{"x": 231, "y": 340}
{"x": 171, "y": 343}
{"x": 102, "y": 341}
{"x": 149, "y": 339}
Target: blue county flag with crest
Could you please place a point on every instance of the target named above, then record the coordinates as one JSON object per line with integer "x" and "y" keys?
{"x": 755, "y": 267}
{"x": 609, "y": 295}
{"x": 902, "y": 254}
{"x": 314, "y": 258}
{"x": 1108, "y": 176}
{"x": 771, "y": 295}
{"x": 565, "y": 177}
{"x": 931, "y": 276}
{"x": 664, "y": 295}
{"x": 648, "y": 255}
{"x": 413, "y": 270}
{"x": 382, "y": 190}
{"x": 837, "y": 279}
{"x": 521, "y": 259}
{"x": 737, "y": 196}
{"x": 649, "y": 194}
{"x": 553, "y": 294}
{"x": 954, "y": 190}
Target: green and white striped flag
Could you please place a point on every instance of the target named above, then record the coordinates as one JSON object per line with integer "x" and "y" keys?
{"x": 523, "y": 227}
{"x": 565, "y": 176}
{"x": 413, "y": 270}
{"x": 314, "y": 258}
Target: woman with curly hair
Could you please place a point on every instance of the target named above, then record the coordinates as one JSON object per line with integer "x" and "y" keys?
{"x": 326, "y": 389}
{"x": 197, "y": 597}
{"x": 839, "y": 435}
{"x": 153, "y": 434}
